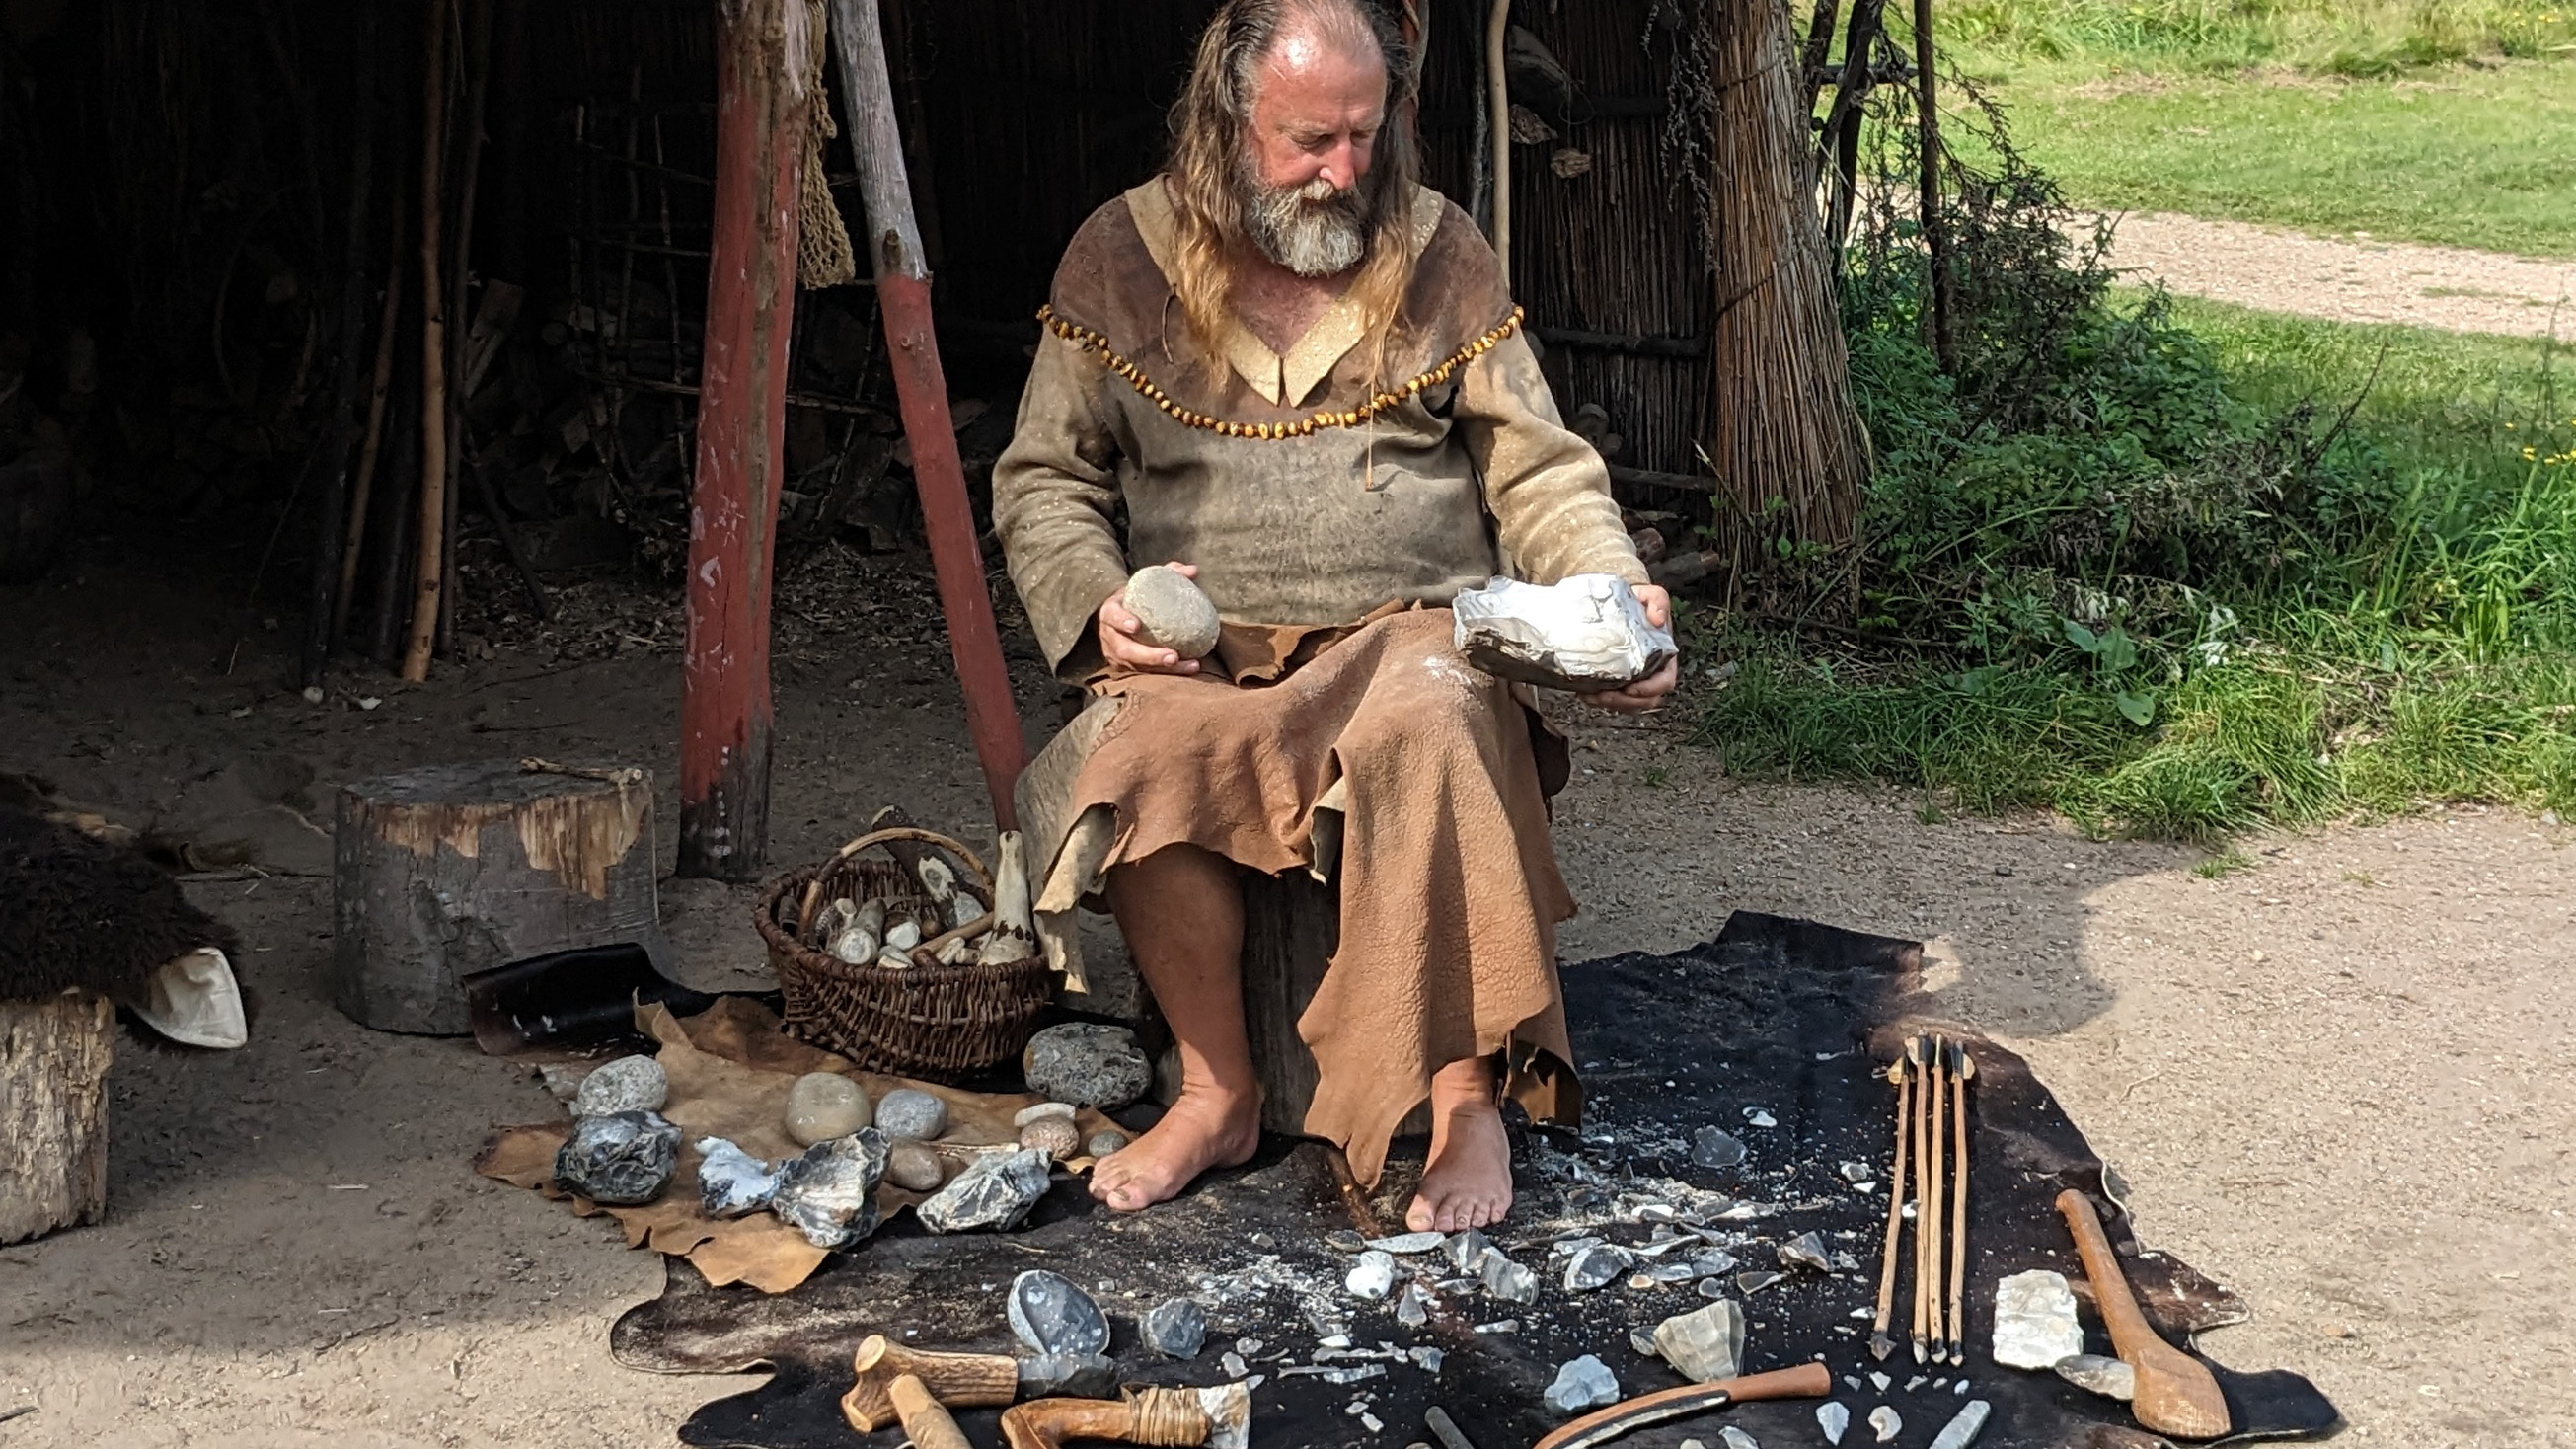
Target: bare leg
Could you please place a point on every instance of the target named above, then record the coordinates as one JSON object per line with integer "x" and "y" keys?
{"x": 1468, "y": 1181}
{"x": 1181, "y": 909}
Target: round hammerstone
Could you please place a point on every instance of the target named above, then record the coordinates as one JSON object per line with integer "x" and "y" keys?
{"x": 825, "y": 1105}
{"x": 1056, "y": 1136}
{"x": 628, "y": 1084}
{"x": 1171, "y": 611}
{"x": 914, "y": 1167}
{"x": 907, "y": 1115}
{"x": 1088, "y": 1064}
{"x": 1105, "y": 1141}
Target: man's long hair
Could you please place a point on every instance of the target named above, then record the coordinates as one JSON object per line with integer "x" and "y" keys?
{"x": 1210, "y": 131}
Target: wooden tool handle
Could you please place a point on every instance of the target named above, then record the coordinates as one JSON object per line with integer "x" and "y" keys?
{"x": 2130, "y": 1331}
{"x": 923, "y": 1418}
{"x": 1806, "y": 1381}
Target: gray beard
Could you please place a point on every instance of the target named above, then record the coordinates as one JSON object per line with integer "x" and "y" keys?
{"x": 1311, "y": 230}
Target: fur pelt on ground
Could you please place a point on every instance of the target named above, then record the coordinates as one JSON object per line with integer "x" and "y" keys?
{"x": 78, "y": 911}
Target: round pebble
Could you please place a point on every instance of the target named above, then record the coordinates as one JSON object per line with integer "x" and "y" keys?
{"x": 825, "y": 1105}
{"x": 1088, "y": 1064}
{"x": 628, "y": 1084}
{"x": 1104, "y": 1142}
{"x": 1171, "y": 611}
{"x": 1027, "y": 1115}
{"x": 910, "y": 1116}
{"x": 1056, "y": 1136}
{"x": 914, "y": 1168}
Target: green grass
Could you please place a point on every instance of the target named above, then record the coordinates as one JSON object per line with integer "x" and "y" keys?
{"x": 2445, "y": 121}
{"x": 2420, "y": 646}
{"x": 2458, "y": 156}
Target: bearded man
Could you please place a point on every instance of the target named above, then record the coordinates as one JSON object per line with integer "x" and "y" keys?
{"x": 1300, "y": 376}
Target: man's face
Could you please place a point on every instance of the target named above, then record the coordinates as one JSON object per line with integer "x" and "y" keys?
{"x": 1315, "y": 119}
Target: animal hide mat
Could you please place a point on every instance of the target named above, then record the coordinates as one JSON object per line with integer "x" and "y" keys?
{"x": 1786, "y": 1019}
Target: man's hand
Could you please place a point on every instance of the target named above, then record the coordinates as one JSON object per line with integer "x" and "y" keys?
{"x": 1120, "y": 646}
{"x": 1647, "y": 693}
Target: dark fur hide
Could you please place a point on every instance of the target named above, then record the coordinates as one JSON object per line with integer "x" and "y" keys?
{"x": 81, "y": 912}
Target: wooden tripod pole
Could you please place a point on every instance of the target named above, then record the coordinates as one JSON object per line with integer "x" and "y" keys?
{"x": 893, "y": 239}
{"x": 433, "y": 349}
{"x": 1498, "y": 100}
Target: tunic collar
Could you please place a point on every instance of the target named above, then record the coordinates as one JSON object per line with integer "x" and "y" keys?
{"x": 1282, "y": 381}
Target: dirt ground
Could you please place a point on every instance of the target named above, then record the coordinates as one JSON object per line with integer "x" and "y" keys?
{"x": 2332, "y": 1078}
{"x": 2347, "y": 278}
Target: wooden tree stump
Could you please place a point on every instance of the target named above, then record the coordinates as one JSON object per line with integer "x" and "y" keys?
{"x": 1291, "y": 926}
{"x": 53, "y": 1113}
{"x": 446, "y": 871}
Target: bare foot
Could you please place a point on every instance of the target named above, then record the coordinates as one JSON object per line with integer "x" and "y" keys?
{"x": 1468, "y": 1181}
{"x": 1208, "y": 1127}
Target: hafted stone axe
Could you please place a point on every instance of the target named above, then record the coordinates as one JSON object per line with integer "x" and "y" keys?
{"x": 2176, "y": 1393}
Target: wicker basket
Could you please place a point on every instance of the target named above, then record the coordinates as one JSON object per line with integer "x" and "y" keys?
{"x": 938, "y": 1023}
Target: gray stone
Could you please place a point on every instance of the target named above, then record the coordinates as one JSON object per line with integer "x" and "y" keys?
{"x": 1596, "y": 1266}
{"x": 1711, "y": 1147}
{"x": 1413, "y": 1306}
{"x": 1834, "y": 1419}
{"x": 1886, "y": 1423}
{"x": 1749, "y": 1284}
{"x": 1807, "y": 1250}
{"x": 1068, "y": 1375}
{"x": 907, "y": 1115}
{"x": 620, "y": 1159}
{"x": 1585, "y": 1383}
{"x": 1406, "y": 1244}
{"x": 1962, "y": 1431}
{"x": 1710, "y": 1264}
{"x": 1737, "y": 1439}
{"x": 1052, "y": 1316}
{"x": 1106, "y": 1141}
{"x": 1175, "y": 1328}
{"x": 830, "y": 1193}
{"x": 1508, "y": 1280}
{"x": 1088, "y": 1064}
{"x": 1027, "y": 1115}
{"x": 1465, "y": 1249}
{"x": 2094, "y": 1373}
{"x": 1705, "y": 1344}
{"x": 914, "y": 1167}
{"x": 2035, "y": 1322}
{"x": 731, "y": 1182}
{"x": 1171, "y": 611}
{"x": 1374, "y": 1278}
{"x": 628, "y": 1084}
{"x": 995, "y": 1191}
{"x": 825, "y": 1105}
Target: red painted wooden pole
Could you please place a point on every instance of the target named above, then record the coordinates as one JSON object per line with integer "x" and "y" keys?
{"x": 742, "y": 428}
{"x": 903, "y": 296}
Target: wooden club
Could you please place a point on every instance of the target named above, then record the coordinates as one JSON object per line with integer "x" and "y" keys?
{"x": 2176, "y": 1395}
{"x": 959, "y": 1380}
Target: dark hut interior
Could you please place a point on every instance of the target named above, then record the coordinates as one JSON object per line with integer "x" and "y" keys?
{"x": 207, "y": 201}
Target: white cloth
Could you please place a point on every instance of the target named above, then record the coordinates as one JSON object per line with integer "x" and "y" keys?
{"x": 196, "y": 1002}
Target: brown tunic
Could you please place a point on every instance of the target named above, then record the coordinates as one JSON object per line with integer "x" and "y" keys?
{"x": 1313, "y": 491}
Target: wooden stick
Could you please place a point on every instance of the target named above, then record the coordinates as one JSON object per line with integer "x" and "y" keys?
{"x": 1962, "y": 1067}
{"x": 1938, "y": 1125}
{"x": 1806, "y": 1381}
{"x": 478, "y": 71}
{"x": 388, "y": 323}
{"x": 323, "y": 595}
{"x": 1879, "y": 1343}
{"x": 1936, "y": 231}
{"x": 1498, "y": 101}
{"x": 1922, "y": 1181}
{"x": 430, "y": 569}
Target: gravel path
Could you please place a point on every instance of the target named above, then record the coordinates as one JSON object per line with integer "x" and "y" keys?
{"x": 2348, "y": 279}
